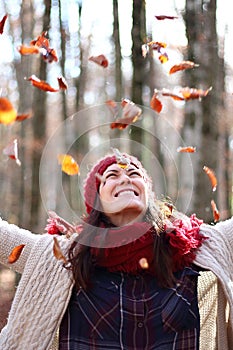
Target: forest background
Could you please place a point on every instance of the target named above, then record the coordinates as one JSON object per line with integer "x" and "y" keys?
{"x": 77, "y": 121}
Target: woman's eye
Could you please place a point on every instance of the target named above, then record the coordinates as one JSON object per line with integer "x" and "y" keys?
{"x": 110, "y": 175}
{"x": 135, "y": 173}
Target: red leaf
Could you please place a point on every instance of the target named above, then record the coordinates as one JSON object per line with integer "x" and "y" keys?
{"x": 42, "y": 43}
{"x": 162, "y": 17}
{"x": 21, "y": 117}
{"x": 100, "y": 60}
{"x": 155, "y": 103}
{"x": 2, "y": 23}
{"x": 15, "y": 253}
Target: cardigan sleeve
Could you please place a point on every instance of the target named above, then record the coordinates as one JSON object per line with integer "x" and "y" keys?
{"x": 12, "y": 236}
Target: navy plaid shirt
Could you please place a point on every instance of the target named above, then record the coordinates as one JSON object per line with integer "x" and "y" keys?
{"x": 122, "y": 311}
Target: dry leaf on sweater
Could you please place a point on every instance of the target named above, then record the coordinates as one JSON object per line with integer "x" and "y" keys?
{"x": 15, "y": 253}
{"x": 57, "y": 251}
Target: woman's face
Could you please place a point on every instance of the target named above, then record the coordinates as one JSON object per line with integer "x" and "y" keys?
{"x": 124, "y": 192}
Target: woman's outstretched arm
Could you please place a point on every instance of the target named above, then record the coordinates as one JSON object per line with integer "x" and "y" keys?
{"x": 12, "y": 236}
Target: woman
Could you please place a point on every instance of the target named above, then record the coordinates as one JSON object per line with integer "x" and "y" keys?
{"x": 130, "y": 275}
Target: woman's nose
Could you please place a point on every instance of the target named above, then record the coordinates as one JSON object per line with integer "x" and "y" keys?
{"x": 125, "y": 178}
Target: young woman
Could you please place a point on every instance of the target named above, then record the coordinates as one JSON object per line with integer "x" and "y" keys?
{"x": 131, "y": 273}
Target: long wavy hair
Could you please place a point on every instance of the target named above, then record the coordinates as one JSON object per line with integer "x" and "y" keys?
{"x": 83, "y": 264}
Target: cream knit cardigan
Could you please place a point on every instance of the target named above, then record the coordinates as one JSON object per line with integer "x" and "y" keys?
{"x": 45, "y": 288}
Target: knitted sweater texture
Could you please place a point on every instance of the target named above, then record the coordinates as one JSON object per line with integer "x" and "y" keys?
{"x": 45, "y": 287}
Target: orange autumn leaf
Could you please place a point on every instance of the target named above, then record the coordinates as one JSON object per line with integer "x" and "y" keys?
{"x": 15, "y": 253}
{"x": 11, "y": 151}
{"x": 155, "y": 103}
{"x": 182, "y": 66}
{"x": 68, "y": 164}
{"x": 211, "y": 176}
{"x": 130, "y": 109}
{"x": 162, "y": 17}
{"x": 192, "y": 93}
{"x": 7, "y": 112}
{"x": 62, "y": 83}
{"x": 101, "y": 60}
{"x": 188, "y": 149}
{"x": 57, "y": 251}
{"x": 163, "y": 58}
{"x": 156, "y": 45}
{"x": 21, "y": 117}
{"x": 172, "y": 95}
{"x": 41, "y": 84}
{"x": 2, "y": 23}
{"x": 28, "y": 50}
{"x": 42, "y": 42}
{"x": 215, "y": 211}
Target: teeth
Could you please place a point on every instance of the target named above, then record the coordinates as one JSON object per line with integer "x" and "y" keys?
{"x": 126, "y": 192}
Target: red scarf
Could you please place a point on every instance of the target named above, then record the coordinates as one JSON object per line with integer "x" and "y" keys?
{"x": 184, "y": 238}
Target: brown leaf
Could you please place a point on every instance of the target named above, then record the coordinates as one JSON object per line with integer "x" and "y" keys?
{"x": 100, "y": 60}
{"x": 15, "y": 253}
{"x": 57, "y": 251}
{"x": 11, "y": 151}
{"x": 62, "y": 83}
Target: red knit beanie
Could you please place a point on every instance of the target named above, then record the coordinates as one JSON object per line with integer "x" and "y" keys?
{"x": 92, "y": 182}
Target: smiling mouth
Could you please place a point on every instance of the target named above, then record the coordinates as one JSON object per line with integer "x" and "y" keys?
{"x": 124, "y": 192}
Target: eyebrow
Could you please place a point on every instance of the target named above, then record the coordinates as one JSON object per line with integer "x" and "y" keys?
{"x": 117, "y": 170}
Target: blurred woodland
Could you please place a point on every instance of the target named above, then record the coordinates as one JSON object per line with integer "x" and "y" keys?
{"x": 76, "y": 30}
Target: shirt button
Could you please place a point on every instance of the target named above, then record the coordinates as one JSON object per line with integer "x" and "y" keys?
{"x": 140, "y": 324}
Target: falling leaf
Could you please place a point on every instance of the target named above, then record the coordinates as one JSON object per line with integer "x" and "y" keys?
{"x": 21, "y": 117}
{"x": 42, "y": 42}
{"x": 68, "y": 164}
{"x": 156, "y": 45}
{"x": 40, "y": 84}
{"x": 155, "y": 103}
{"x": 2, "y": 23}
{"x": 57, "y": 251}
{"x": 7, "y": 112}
{"x": 122, "y": 123}
{"x": 162, "y": 17}
{"x": 130, "y": 109}
{"x": 192, "y": 93}
{"x": 188, "y": 149}
{"x": 212, "y": 177}
{"x": 182, "y": 66}
{"x": 62, "y": 83}
{"x": 28, "y": 50}
{"x": 15, "y": 253}
{"x": 163, "y": 58}
{"x": 143, "y": 263}
{"x": 175, "y": 97}
{"x": 100, "y": 60}
{"x": 12, "y": 151}
{"x": 215, "y": 211}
